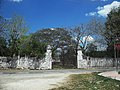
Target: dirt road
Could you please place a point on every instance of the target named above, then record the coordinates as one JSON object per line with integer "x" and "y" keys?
{"x": 35, "y": 80}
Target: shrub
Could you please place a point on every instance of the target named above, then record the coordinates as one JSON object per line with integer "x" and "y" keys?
{"x": 118, "y": 72}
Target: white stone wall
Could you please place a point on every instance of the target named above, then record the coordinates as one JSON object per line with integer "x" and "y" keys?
{"x": 3, "y": 62}
{"x": 95, "y": 62}
{"x": 23, "y": 63}
{"x": 92, "y": 62}
{"x": 28, "y": 63}
{"x": 100, "y": 62}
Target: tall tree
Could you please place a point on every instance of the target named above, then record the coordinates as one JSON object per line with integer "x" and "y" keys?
{"x": 96, "y": 27}
{"x": 112, "y": 26}
{"x": 80, "y": 36}
{"x": 112, "y": 33}
{"x": 3, "y": 36}
{"x": 16, "y": 28}
{"x": 60, "y": 39}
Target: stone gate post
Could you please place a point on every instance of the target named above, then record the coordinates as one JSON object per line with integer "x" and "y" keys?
{"x": 46, "y": 63}
{"x": 79, "y": 57}
{"x": 81, "y": 63}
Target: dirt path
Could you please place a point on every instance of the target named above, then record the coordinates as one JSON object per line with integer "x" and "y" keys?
{"x": 31, "y": 81}
{"x": 34, "y": 81}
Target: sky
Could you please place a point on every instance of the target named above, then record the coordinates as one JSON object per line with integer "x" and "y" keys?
{"x": 40, "y": 14}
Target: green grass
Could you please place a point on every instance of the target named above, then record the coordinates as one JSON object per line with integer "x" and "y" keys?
{"x": 89, "y": 82}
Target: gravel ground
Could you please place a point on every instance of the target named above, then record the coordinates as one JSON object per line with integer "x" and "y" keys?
{"x": 31, "y": 81}
{"x": 36, "y": 79}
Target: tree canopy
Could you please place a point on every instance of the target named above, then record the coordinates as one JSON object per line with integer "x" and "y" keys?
{"x": 54, "y": 37}
{"x": 31, "y": 47}
{"x": 112, "y": 26}
{"x": 112, "y": 33}
{"x": 16, "y": 29}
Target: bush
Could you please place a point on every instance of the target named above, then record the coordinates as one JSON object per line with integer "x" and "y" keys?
{"x": 118, "y": 72}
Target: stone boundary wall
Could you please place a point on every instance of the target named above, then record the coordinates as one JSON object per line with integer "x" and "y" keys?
{"x": 4, "y": 62}
{"x": 21, "y": 63}
{"x": 100, "y": 62}
{"x": 28, "y": 63}
{"x": 33, "y": 63}
{"x": 25, "y": 63}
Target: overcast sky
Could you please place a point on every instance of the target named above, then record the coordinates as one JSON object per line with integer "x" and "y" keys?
{"x": 40, "y": 14}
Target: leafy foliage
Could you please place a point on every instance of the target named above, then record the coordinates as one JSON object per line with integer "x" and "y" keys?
{"x": 2, "y": 25}
{"x": 3, "y": 36}
{"x": 112, "y": 28}
{"x": 60, "y": 39}
{"x": 54, "y": 37}
{"x": 91, "y": 47}
{"x": 16, "y": 28}
{"x": 32, "y": 48}
{"x": 3, "y": 47}
{"x": 113, "y": 25}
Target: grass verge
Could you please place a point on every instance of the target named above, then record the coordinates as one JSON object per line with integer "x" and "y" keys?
{"x": 89, "y": 82}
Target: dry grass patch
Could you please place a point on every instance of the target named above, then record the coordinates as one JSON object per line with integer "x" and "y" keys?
{"x": 89, "y": 82}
